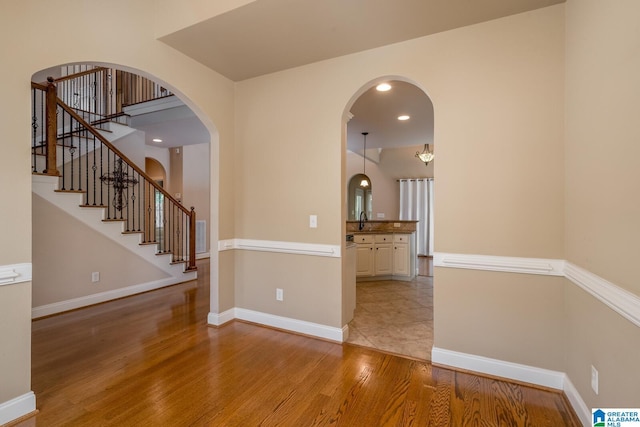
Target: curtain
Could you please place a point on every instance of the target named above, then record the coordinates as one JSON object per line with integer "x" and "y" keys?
{"x": 416, "y": 203}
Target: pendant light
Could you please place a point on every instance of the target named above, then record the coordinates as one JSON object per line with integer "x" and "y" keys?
{"x": 426, "y": 156}
{"x": 365, "y": 180}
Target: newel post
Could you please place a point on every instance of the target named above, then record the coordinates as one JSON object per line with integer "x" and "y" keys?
{"x": 52, "y": 127}
{"x": 192, "y": 240}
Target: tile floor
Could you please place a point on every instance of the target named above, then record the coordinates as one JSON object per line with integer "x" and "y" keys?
{"x": 395, "y": 316}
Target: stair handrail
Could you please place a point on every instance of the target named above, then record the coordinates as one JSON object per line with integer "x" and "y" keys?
{"x": 106, "y": 142}
{"x": 78, "y": 74}
{"x": 52, "y": 102}
{"x": 191, "y": 213}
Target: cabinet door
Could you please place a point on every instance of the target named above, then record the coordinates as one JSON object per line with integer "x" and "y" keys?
{"x": 384, "y": 259}
{"x": 401, "y": 259}
{"x": 364, "y": 260}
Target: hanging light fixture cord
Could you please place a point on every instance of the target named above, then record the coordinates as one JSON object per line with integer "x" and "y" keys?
{"x": 364, "y": 154}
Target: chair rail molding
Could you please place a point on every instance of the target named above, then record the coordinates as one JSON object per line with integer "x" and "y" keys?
{"x": 314, "y": 249}
{"x": 548, "y": 267}
{"x": 625, "y": 303}
{"x": 15, "y": 273}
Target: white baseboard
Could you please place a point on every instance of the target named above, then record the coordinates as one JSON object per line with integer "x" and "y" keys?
{"x": 59, "y": 307}
{"x": 17, "y": 407}
{"x": 286, "y": 323}
{"x": 203, "y": 255}
{"x": 578, "y": 405}
{"x": 514, "y": 371}
{"x": 217, "y": 319}
{"x": 498, "y": 368}
{"x": 345, "y": 333}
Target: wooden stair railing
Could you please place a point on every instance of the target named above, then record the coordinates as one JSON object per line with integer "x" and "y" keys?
{"x": 90, "y": 164}
{"x": 99, "y": 94}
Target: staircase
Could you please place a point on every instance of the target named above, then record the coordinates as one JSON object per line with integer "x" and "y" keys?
{"x": 77, "y": 168}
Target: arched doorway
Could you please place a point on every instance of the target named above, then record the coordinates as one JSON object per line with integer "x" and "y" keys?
{"x": 394, "y": 311}
{"x": 144, "y": 127}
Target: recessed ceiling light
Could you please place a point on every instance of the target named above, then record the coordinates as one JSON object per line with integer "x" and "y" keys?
{"x": 403, "y": 117}
{"x": 156, "y": 140}
{"x": 383, "y": 87}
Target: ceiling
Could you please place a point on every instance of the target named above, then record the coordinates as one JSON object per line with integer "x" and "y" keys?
{"x": 377, "y": 113}
{"x": 267, "y": 36}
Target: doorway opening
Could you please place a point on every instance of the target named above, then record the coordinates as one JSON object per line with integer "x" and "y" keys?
{"x": 394, "y": 261}
{"x": 131, "y": 173}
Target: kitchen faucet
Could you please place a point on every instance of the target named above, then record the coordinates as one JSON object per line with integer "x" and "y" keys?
{"x": 363, "y": 218}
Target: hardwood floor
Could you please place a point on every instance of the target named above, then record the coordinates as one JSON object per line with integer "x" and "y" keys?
{"x": 151, "y": 360}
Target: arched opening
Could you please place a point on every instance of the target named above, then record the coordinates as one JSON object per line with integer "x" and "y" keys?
{"x": 163, "y": 134}
{"x": 155, "y": 170}
{"x": 394, "y": 249}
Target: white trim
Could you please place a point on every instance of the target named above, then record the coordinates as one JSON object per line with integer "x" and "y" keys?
{"x": 514, "y": 371}
{"x": 315, "y": 249}
{"x": 216, "y": 319}
{"x": 498, "y": 368}
{"x": 286, "y": 323}
{"x": 578, "y": 405}
{"x": 203, "y": 255}
{"x": 345, "y": 333}
{"x": 17, "y": 407}
{"x": 15, "y": 273}
{"x": 621, "y": 301}
{"x": 59, "y": 307}
{"x": 547, "y": 267}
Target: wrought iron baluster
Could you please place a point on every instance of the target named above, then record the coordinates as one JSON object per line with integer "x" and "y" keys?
{"x": 34, "y": 127}
{"x": 94, "y": 168}
{"x": 108, "y": 191}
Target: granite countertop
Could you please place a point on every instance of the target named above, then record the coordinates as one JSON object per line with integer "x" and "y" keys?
{"x": 382, "y": 227}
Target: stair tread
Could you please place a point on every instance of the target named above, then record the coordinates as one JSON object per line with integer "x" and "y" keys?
{"x": 70, "y": 191}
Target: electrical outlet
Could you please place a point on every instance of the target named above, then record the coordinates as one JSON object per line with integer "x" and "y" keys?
{"x": 95, "y": 276}
{"x": 279, "y": 294}
{"x": 313, "y": 221}
{"x": 594, "y": 379}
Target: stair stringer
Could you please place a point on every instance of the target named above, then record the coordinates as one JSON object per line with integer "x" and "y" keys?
{"x": 45, "y": 186}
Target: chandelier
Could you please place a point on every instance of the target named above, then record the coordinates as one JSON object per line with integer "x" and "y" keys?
{"x": 426, "y": 155}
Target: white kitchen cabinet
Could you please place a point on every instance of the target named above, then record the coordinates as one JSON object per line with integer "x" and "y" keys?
{"x": 401, "y": 255}
{"x": 383, "y": 263}
{"x": 384, "y": 255}
{"x": 364, "y": 255}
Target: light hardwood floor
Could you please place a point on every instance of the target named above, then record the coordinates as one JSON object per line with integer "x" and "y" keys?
{"x": 151, "y": 360}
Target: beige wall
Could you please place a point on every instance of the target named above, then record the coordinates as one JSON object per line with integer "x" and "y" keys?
{"x": 175, "y": 187}
{"x": 196, "y": 177}
{"x": 497, "y": 98}
{"x": 311, "y": 287}
{"x": 603, "y": 177}
{"x": 66, "y": 252}
{"x": 498, "y": 90}
{"x": 602, "y": 185}
{"x": 505, "y": 316}
{"x": 15, "y": 332}
{"x": 206, "y": 92}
